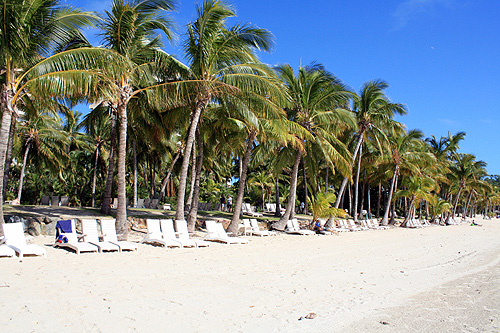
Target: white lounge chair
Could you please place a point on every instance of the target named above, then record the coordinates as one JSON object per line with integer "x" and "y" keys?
{"x": 73, "y": 242}
{"x": 169, "y": 234}
{"x": 14, "y": 238}
{"x": 292, "y": 227}
{"x": 351, "y": 224}
{"x": 108, "y": 228}
{"x": 373, "y": 223}
{"x": 183, "y": 234}
{"x": 155, "y": 236}
{"x": 6, "y": 251}
{"x": 247, "y": 209}
{"x": 255, "y": 229}
{"x": 247, "y": 227}
{"x": 90, "y": 234}
{"x": 216, "y": 233}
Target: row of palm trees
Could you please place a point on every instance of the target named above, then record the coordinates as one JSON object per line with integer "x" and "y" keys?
{"x": 222, "y": 114}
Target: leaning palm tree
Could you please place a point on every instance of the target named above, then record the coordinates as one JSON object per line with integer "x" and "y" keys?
{"x": 316, "y": 99}
{"x": 221, "y": 63}
{"x": 43, "y": 135}
{"x": 32, "y": 30}
{"x": 406, "y": 153}
{"x": 374, "y": 112}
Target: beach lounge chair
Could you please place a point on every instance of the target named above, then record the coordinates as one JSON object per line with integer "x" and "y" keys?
{"x": 45, "y": 200}
{"x": 216, "y": 233}
{"x": 14, "y": 238}
{"x": 250, "y": 230}
{"x": 90, "y": 234}
{"x": 183, "y": 234}
{"x": 247, "y": 227}
{"x": 255, "y": 229}
{"x": 115, "y": 203}
{"x": 140, "y": 203}
{"x": 147, "y": 203}
{"x": 373, "y": 223}
{"x": 67, "y": 228}
{"x": 292, "y": 227}
{"x": 108, "y": 228}
{"x": 65, "y": 201}
{"x": 6, "y": 251}
{"x": 169, "y": 234}
{"x": 155, "y": 236}
{"x": 354, "y": 226}
{"x": 154, "y": 204}
{"x": 54, "y": 200}
{"x": 247, "y": 209}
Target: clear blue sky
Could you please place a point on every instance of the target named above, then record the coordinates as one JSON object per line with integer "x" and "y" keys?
{"x": 440, "y": 57}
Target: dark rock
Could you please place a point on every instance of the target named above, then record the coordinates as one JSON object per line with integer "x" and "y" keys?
{"x": 34, "y": 228}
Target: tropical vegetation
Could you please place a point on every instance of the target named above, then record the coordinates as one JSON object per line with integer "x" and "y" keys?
{"x": 214, "y": 124}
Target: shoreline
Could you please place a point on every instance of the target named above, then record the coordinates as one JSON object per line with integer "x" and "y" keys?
{"x": 351, "y": 282}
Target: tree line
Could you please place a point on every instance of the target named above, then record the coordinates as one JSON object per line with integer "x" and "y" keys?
{"x": 180, "y": 132}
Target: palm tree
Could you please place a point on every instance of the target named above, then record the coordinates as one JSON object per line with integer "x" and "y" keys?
{"x": 32, "y": 30}
{"x": 374, "y": 112}
{"x": 406, "y": 153}
{"x": 262, "y": 179}
{"x": 316, "y": 97}
{"x": 417, "y": 188}
{"x": 221, "y": 63}
{"x": 129, "y": 31}
{"x": 43, "y": 134}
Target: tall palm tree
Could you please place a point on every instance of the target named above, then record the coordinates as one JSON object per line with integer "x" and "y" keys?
{"x": 32, "y": 30}
{"x": 129, "y": 30}
{"x": 316, "y": 97}
{"x": 374, "y": 112}
{"x": 221, "y": 63}
{"x": 405, "y": 153}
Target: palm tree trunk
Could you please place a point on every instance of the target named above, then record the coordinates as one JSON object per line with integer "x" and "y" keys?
{"x": 8, "y": 157}
{"x": 455, "y": 203}
{"x": 467, "y": 204}
{"x": 290, "y": 207}
{"x": 169, "y": 173}
{"x": 389, "y": 199}
{"x": 326, "y": 178}
{"x": 193, "y": 212}
{"x": 134, "y": 150}
{"x": 121, "y": 211}
{"x": 7, "y": 95}
{"x": 189, "y": 201}
{"x": 235, "y": 220}
{"x": 277, "y": 212}
{"x": 379, "y": 199}
{"x": 368, "y": 199}
{"x": 23, "y": 168}
{"x": 106, "y": 200}
{"x": 94, "y": 177}
{"x": 181, "y": 194}
{"x": 344, "y": 182}
{"x": 306, "y": 205}
{"x": 356, "y": 185}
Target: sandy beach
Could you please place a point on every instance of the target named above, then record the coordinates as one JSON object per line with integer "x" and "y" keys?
{"x": 433, "y": 279}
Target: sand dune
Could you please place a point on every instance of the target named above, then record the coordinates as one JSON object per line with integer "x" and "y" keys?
{"x": 431, "y": 279}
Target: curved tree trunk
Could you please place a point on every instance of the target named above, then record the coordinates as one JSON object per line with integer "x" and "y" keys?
{"x": 235, "y": 220}
{"x": 23, "y": 168}
{"x": 356, "y": 185}
{"x": 169, "y": 173}
{"x": 455, "y": 204}
{"x": 94, "y": 177}
{"x": 290, "y": 206}
{"x": 306, "y": 205}
{"x": 106, "y": 199}
{"x": 344, "y": 182}
{"x": 193, "y": 212}
{"x": 389, "y": 199}
{"x": 181, "y": 193}
{"x": 7, "y": 95}
{"x": 8, "y": 157}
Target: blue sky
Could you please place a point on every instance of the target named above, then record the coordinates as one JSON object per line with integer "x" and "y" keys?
{"x": 440, "y": 57}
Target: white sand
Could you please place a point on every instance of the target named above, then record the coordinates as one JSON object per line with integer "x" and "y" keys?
{"x": 427, "y": 280}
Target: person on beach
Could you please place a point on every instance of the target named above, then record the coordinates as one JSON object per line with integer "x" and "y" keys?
{"x": 223, "y": 203}
{"x": 229, "y": 203}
